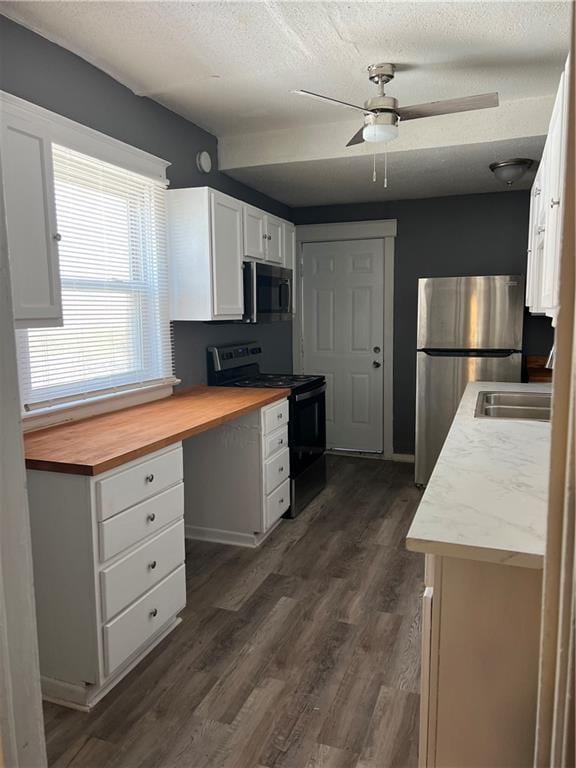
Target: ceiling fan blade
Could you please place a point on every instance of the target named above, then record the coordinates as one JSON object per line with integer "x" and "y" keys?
{"x": 449, "y": 106}
{"x": 319, "y": 97}
{"x": 357, "y": 138}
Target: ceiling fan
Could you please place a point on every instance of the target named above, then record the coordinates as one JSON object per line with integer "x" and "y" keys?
{"x": 382, "y": 113}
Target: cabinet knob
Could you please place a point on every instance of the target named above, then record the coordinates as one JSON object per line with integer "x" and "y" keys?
{"x": 280, "y": 415}
{"x": 151, "y": 517}
{"x": 264, "y": 236}
{"x": 281, "y": 441}
{"x": 537, "y": 191}
{"x": 280, "y": 469}
{"x": 554, "y": 203}
{"x": 57, "y": 237}
{"x": 540, "y": 230}
{"x": 149, "y": 478}
{"x": 152, "y": 565}
{"x": 280, "y": 501}
{"x": 154, "y": 613}
{"x": 269, "y": 237}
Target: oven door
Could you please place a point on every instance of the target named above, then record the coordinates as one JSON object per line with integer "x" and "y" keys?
{"x": 307, "y": 429}
{"x": 273, "y": 292}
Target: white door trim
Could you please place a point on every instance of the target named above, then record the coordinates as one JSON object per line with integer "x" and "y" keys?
{"x": 21, "y": 724}
{"x": 355, "y": 230}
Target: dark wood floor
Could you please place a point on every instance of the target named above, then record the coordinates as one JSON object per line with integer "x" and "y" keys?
{"x": 303, "y": 653}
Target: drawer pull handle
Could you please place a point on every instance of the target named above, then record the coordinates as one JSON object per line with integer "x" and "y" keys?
{"x": 149, "y": 478}
{"x": 554, "y": 202}
{"x": 152, "y": 565}
{"x": 154, "y": 613}
{"x": 151, "y": 517}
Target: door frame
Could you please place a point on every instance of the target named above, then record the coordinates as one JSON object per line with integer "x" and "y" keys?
{"x": 381, "y": 229}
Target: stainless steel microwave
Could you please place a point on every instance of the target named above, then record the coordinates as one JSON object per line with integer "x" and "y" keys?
{"x": 267, "y": 292}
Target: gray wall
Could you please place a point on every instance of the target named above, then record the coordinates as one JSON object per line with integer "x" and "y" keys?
{"x": 191, "y": 340}
{"x": 41, "y": 72}
{"x": 439, "y": 237}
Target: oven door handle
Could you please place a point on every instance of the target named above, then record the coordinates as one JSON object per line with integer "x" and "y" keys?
{"x": 312, "y": 393}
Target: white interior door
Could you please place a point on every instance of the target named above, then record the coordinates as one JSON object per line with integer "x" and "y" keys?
{"x": 342, "y": 330}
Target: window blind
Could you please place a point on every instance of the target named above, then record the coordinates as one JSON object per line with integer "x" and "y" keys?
{"x": 114, "y": 273}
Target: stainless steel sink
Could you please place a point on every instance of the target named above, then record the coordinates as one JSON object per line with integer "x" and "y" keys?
{"x": 534, "y": 406}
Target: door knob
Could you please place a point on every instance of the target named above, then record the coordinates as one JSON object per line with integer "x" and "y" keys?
{"x": 376, "y": 364}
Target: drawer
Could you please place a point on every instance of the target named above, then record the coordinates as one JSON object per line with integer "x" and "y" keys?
{"x": 276, "y": 470}
{"x": 132, "y": 628}
{"x": 137, "y": 523}
{"x": 138, "y": 482}
{"x": 274, "y": 416}
{"x": 275, "y": 442}
{"x": 276, "y": 504}
{"x": 139, "y": 571}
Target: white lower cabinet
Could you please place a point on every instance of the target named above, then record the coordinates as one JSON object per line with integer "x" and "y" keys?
{"x": 109, "y": 571}
{"x": 479, "y": 674}
{"x": 238, "y": 478}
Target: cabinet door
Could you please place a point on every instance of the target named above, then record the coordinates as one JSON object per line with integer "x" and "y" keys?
{"x": 537, "y": 228}
{"x": 31, "y": 223}
{"x": 255, "y": 236}
{"x": 289, "y": 239}
{"x": 227, "y": 246}
{"x": 275, "y": 251}
{"x": 552, "y": 202}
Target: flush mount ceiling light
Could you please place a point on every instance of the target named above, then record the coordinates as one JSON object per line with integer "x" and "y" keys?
{"x": 511, "y": 171}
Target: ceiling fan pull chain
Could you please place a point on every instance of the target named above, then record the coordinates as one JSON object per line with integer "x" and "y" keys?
{"x": 374, "y": 168}
{"x": 385, "y": 169}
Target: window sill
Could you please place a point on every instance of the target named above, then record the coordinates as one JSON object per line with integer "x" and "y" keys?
{"x": 60, "y": 414}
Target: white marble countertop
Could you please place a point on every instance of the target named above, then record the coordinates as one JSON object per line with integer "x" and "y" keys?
{"x": 487, "y": 497}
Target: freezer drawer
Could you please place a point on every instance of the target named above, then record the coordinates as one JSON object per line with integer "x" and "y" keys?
{"x": 440, "y": 384}
{"x": 470, "y": 312}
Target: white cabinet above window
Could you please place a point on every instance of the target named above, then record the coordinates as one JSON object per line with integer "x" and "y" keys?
{"x": 31, "y": 222}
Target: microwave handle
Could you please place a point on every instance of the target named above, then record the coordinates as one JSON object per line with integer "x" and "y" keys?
{"x": 250, "y": 301}
{"x": 290, "y": 296}
{"x": 254, "y": 314}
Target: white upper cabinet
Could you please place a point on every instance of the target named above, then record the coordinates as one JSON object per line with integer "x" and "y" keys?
{"x": 226, "y": 238}
{"x": 210, "y": 234}
{"x": 275, "y": 251}
{"x": 31, "y": 222}
{"x": 255, "y": 234}
{"x": 546, "y": 213}
{"x": 263, "y": 235}
{"x": 289, "y": 232}
{"x": 206, "y": 251}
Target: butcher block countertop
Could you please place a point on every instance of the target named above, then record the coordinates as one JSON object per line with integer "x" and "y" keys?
{"x": 100, "y": 443}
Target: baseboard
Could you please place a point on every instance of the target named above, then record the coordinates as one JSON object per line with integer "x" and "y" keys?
{"x": 235, "y": 538}
{"x": 407, "y": 458}
{"x": 85, "y": 697}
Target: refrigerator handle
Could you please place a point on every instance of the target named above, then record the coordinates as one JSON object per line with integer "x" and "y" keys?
{"x": 470, "y": 352}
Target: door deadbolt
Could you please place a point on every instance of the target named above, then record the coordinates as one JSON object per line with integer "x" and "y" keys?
{"x": 376, "y": 350}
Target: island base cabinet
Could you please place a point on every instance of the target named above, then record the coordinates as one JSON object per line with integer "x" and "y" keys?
{"x": 481, "y": 627}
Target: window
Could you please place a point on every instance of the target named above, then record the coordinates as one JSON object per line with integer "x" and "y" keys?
{"x": 114, "y": 272}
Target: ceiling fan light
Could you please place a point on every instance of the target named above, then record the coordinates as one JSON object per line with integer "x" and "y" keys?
{"x": 379, "y": 133}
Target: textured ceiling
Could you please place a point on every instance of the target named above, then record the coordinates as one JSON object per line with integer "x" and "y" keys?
{"x": 230, "y": 66}
{"x": 424, "y": 173}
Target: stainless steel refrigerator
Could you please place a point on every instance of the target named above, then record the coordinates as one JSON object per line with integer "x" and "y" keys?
{"x": 469, "y": 329}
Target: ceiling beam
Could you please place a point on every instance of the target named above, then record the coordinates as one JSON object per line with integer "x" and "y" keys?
{"x": 511, "y": 120}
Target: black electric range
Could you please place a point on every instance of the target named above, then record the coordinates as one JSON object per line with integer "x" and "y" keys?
{"x": 237, "y": 365}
